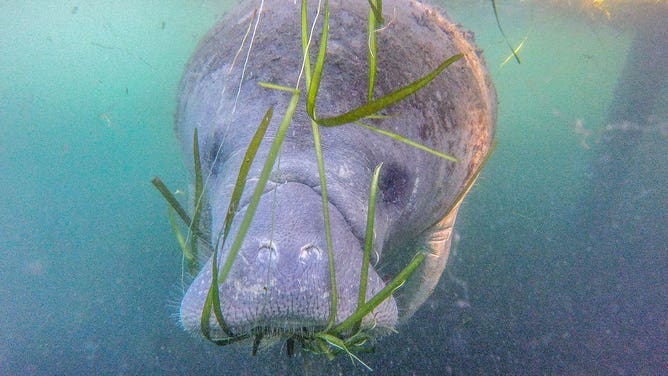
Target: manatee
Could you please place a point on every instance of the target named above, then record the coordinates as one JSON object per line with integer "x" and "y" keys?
{"x": 279, "y": 284}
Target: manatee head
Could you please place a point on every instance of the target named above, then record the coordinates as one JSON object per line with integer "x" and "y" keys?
{"x": 283, "y": 276}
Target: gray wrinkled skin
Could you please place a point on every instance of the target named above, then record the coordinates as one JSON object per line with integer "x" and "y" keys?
{"x": 280, "y": 280}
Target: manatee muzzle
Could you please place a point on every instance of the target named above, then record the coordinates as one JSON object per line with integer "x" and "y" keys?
{"x": 280, "y": 281}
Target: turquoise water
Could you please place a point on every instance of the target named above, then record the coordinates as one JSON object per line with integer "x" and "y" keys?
{"x": 90, "y": 272}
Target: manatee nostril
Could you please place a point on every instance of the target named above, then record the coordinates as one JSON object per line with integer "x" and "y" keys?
{"x": 309, "y": 253}
{"x": 267, "y": 252}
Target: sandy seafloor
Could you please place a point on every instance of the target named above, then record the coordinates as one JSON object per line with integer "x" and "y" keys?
{"x": 90, "y": 271}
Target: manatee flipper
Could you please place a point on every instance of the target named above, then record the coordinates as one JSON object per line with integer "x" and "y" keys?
{"x": 435, "y": 244}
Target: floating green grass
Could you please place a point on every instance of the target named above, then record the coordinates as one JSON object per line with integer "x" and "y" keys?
{"x": 240, "y": 183}
{"x": 218, "y": 278}
{"x": 213, "y": 300}
{"x": 368, "y": 240}
{"x": 371, "y": 107}
{"x": 193, "y": 267}
{"x": 406, "y": 141}
{"x": 339, "y": 339}
{"x": 176, "y": 207}
{"x": 259, "y": 187}
{"x": 381, "y": 296}
{"x": 179, "y": 236}
{"x": 373, "y": 22}
{"x": 514, "y": 52}
{"x": 328, "y": 230}
{"x": 338, "y": 344}
{"x": 376, "y": 6}
{"x": 171, "y": 200}
{"x": 313, "y": 84}
{"x": 503, "y": 34}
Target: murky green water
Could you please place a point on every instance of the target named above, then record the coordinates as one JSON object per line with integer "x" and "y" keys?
{"x": 90, "y": 273}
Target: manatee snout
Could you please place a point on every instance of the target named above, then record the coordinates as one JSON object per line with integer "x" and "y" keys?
{"x": 280, "y": 282}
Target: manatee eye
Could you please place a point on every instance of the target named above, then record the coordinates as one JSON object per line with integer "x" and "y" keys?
{"x": 394, "y": 184}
